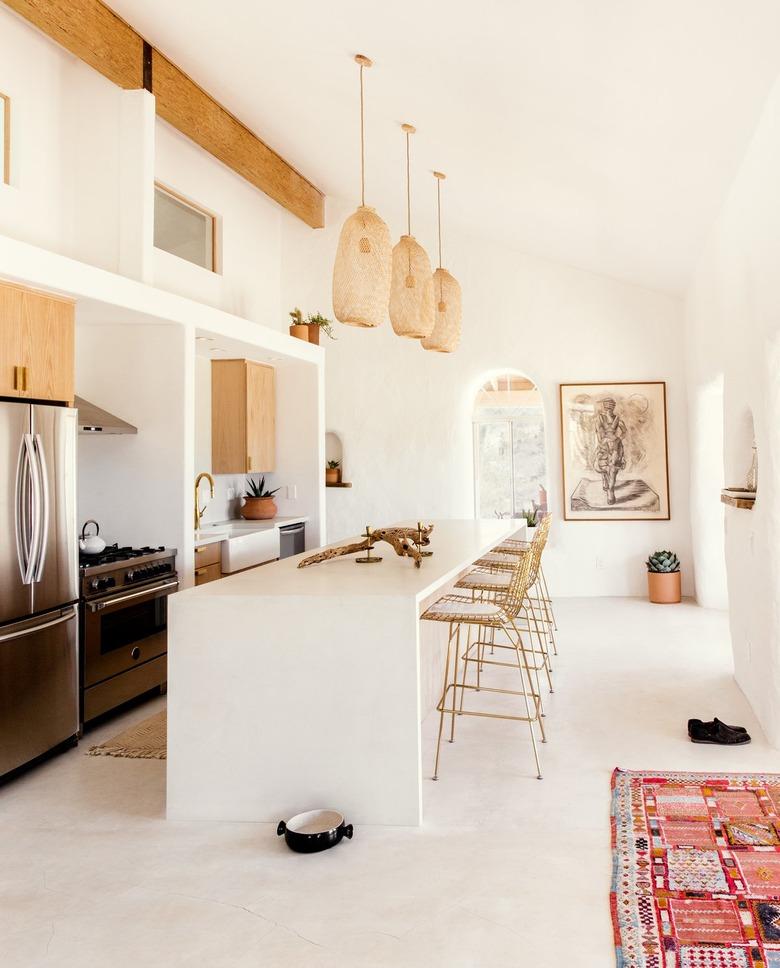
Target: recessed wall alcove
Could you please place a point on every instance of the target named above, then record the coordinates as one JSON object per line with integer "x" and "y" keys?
{"x": 334, "y": 451}
{"x": 740, "y": 454}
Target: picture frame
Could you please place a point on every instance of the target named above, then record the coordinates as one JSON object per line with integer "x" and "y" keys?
{"x": 614, "y": 451}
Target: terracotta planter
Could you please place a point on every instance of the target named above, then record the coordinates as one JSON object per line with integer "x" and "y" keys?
{"x": 300, "y": 332}
{"x": 314, "y": 333}
{"x": 664, "y": 588}
{"x": 259, "y": 508}
{"x": 332, "y": 475}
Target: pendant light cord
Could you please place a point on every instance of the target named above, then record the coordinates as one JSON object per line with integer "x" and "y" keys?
{"x": 438, "y": 210}
{"x": 362, "y": 146}
{"x": 408, "y": 191}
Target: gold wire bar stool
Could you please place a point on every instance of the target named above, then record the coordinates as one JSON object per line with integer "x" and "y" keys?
{"x": 502, "y": 558}
{"x": 486, "y": 584}
{"x": 460, "y": 610}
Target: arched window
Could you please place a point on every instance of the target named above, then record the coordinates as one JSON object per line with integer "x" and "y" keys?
{"x": 510, "y": 467}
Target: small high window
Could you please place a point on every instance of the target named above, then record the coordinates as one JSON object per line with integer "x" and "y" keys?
{"x": 5, "y": 139}
{"x": 184, "y": 229}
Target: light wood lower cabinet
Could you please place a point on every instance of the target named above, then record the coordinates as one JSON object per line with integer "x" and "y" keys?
{"x": 208, "y": 563}
{"x": 243, "y": 417}
{"x": 37, "y": 341}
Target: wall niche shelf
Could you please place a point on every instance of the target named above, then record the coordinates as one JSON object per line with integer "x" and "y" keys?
{"x": 738, "y": 499}
{"x": 339, "y": 484}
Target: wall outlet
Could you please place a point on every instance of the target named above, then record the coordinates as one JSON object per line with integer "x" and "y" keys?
{"x": 599, "y": 563}
{"x": 231, "y": 494}
{"x": 292, "y": 492}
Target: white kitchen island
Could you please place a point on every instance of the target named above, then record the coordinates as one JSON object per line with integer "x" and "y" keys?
{"x": 291, "y": 689}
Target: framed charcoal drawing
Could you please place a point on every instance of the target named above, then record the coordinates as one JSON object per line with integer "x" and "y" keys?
{"x": 614, "y": 452}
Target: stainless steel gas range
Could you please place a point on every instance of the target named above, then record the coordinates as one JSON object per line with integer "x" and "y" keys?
{"x": 124, "y": 624}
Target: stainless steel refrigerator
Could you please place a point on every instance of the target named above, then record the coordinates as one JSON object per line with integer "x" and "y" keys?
{"x": 38, "y": 581}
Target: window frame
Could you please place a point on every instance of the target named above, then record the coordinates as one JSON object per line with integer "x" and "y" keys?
{"x": 6, "y": 156}
{"x": 202, "y": 210}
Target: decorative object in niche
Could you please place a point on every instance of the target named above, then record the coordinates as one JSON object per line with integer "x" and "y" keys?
{"x": 751, "y": 482}
{"x": 411, "y": 285}
{"x": 447, "y": 298}
{"x": 259, "y": 504}
{"x": 407, "y": 543}
{"x": 333, "y": 472}
{"x": 361, "y": 273}
{"x": 298, "y": 328}
{"x": 614, "y": 451}
{"x": 663, "y": 578}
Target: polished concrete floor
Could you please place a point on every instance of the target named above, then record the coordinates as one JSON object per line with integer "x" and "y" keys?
{"x": 507, "y": 870}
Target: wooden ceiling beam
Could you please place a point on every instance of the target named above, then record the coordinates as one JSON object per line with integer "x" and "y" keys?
{"x": 95, "y": 34}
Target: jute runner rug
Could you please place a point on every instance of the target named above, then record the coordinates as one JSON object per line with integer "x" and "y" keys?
{"x": 146, "y": 740}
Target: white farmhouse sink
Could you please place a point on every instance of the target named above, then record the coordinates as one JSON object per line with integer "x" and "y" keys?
{"x": 244, "y": 543}
{"x": 243, "y": 548}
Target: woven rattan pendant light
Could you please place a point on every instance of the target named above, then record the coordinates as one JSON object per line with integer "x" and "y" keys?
{"x": 361, "y": 273}
{"x": 411, "y": 286}
{"x": 446, "y": 328}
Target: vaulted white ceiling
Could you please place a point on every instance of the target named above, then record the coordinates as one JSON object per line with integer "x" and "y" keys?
{"x": 599, "y": 133}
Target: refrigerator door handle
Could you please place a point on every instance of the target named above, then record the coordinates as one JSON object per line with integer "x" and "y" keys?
{"x": 26, "y": 517}
{"x": 42, "y": 510}
{"x": 39, "y": 628}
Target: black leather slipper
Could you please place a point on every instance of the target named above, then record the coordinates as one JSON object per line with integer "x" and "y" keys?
{"x": 717, "y": 733}
{"x": 699, "y": 722}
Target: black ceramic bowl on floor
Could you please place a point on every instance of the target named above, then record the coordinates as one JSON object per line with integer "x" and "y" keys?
{"x": 314, "y": 830}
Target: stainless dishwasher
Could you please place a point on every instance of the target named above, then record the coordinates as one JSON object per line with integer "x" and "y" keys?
{"x": 292, "y": 539}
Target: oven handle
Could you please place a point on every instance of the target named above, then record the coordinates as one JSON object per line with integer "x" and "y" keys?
{"x": 97, "y": 606}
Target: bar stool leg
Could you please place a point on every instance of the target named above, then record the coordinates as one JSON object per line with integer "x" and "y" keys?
{"x": 442, "y": 703}
{"x": 527, "y": 706}
{"x": 456, "y": 660}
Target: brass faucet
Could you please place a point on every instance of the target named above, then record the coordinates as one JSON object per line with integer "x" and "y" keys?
{"x": 199, "y": 511}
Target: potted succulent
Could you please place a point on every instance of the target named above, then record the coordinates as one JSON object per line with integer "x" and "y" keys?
{"x": 298, "y": 328}
{"x": 529, "y": 515}
{"x": 333, "y": 472}
{"x": 259, "y": 504}
{"x": 316, "y": 323}
{"x": 663, "y": 578}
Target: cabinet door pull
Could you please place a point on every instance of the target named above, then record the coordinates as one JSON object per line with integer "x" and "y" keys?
{"x": 201, "y": 571}
{"x": 16, "y": 378}
{"x": 24, "y": 378}
{"x": 248, "y": 463}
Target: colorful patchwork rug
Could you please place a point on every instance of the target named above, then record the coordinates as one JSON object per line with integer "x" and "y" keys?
{"x": 696, "y": 870}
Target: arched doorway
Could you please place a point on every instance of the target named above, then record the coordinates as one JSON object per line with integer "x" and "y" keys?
{"x": 510, "y": 464}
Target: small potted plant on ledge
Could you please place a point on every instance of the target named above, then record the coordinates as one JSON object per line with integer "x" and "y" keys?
{"x": 298, "y": 328}
{"x": 663, "y": 578}
{"x": 316, "y": 323}
{"x": 333, "y": 472}
{"x": 259, "y": 504}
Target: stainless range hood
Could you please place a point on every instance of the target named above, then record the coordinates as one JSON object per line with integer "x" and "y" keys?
{"x": 93, "y": 420}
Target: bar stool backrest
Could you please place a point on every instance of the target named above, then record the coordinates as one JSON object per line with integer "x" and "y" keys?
{"x": 519, "y": 584}
{"x": 538, "y": 545}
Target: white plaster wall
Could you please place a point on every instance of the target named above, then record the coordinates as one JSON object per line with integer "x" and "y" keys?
{"x": 249, "y": 230}
{"x": 404, "y": 415}
{"x": 136, "y": 486}
{"x": 65, "y": 154}
{"x": 733, "y": 335}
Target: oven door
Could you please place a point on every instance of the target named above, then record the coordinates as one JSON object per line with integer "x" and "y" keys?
{"x": 124, "y": 630}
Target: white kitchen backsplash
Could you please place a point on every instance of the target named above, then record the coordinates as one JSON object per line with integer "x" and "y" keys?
{"x": 222, "y": 507}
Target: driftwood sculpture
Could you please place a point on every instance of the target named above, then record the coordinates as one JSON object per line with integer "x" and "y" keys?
{"x": 406, "y": 542}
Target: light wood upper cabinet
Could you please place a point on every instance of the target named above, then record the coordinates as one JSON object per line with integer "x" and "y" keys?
{"x": 36, "y": 345}
{"x": 243, "y": 417}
